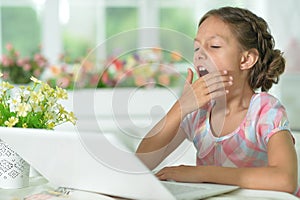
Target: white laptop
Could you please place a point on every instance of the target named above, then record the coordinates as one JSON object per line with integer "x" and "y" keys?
{"x": 90, "y": 162}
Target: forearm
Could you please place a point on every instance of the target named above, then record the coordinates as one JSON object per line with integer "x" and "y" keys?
{"x": 163, "y": 132}
{"x": 266, "y": 178}
{"x": 162, "y": 139}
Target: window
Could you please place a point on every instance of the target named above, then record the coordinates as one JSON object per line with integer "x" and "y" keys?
{"x": 120, "y": 20}
{"x": 181, "y": 29}
{"x": 21, "y": 28}
{"x": 78, "y": 27}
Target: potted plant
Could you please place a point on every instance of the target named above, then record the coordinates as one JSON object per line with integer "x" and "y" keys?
{"x": 33, "y": 106}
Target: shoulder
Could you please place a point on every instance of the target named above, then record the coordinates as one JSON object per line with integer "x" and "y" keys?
{"x": 264, "y": 102}
{"x": 265, "y": 98}
{"x": 267, "y": 116}
{"x": 267, "y": 112}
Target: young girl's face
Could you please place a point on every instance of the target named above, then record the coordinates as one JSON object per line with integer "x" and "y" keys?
{"x": 216, "y": 48}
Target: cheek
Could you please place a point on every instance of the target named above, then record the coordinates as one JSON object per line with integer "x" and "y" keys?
{"x": 220, "y": 63}
{"x": 228, "y": 62}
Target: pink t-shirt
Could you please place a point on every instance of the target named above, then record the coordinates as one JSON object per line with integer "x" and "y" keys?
{"x": 244, "y": 147}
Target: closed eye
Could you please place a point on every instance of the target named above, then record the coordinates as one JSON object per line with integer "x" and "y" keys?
{"x": 196, "y": 49}
{"x": 215, "y": 46}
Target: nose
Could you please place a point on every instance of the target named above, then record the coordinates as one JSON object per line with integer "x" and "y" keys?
{"x": 200, "y": 54}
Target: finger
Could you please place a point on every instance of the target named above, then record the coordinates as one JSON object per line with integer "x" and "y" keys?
{"x": 220, "y": 86}
{"x": 217, "y": 76}
{"x": 189, "y": 79}
{"x": 217, "y": 81}
{"x": 160, "y": 176}
{"x": 218, "y": 93}
{"x": 160, "y": 172}
{"x": 190, "y": 76}
{"x": 214, "y": 77}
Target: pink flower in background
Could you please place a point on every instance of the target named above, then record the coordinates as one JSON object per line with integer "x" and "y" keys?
{"x": 38, "y": 57}
{"x": 105, "y": 77}
{"x": 94, "y": 80}
{"x": 42, "y": 63}
{"x": 6, "y": 61}
{"x": 140, "y": 81}
{"x": 17, "y": 54}
{"x": 143, "y": 68}
{"x": 63, "y": 82}
{"x": 9, "y": 47}
{"x": 87, "y": 66}
{"x": 37, "y": 73}
{"x": 20, "y": 69}
{"x": 27, "y": 67}
{"x": 64, "y": 68}
{"x": 21, "y": 62}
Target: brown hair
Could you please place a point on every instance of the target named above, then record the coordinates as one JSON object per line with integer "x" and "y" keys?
{"x": 253, "y": 32}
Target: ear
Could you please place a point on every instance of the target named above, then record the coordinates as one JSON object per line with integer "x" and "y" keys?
{"x": 249, "y": 58}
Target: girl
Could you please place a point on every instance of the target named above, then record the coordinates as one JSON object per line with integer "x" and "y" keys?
{"x": 242, "y": 137}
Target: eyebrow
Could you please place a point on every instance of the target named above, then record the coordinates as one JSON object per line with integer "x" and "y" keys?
{"x": 212, "y": 37}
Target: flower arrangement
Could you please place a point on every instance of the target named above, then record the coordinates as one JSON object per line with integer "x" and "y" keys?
{"x": 18, "y": 70}
{"x": 143, "y": 68}
{"x": 62, "y": 76}
{"x": 34, "y": 106}
{"x": 74, "y": 76}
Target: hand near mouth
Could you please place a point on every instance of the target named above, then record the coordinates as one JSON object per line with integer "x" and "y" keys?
{"x": 198, "y": 93}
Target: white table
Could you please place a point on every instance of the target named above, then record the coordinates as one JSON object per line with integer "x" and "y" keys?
{"x": 39, "y": 184}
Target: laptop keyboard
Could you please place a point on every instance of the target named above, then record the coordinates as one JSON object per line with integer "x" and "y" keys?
{"x": 178, "y": 188}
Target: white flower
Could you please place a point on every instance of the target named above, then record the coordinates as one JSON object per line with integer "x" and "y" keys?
{"x": 22, "y": 109}
{"x": 35, "y": 80}
{"x": 24, "y": 94}
{"x": 61, "y": 109}
{"x": 72, "y": 118}
{"x": 1, "y": 74}
{"x": 33, "y": 106}
{"x": 36, "y": 97}
{"x": 11, "y": 122}
{"x": 51, "y": 116}
{"x": 4, "y": 86}
{"x": 61, "y": 93}
{"x": 51, "y": 101}
{"x": 36, "y": 108}
{"x": 46, "y": 88}
{"x": 13, "y": 102}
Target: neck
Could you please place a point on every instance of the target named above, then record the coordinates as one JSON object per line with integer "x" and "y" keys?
{"x": 231, "y": 108}
{"x": 237, "y": 99}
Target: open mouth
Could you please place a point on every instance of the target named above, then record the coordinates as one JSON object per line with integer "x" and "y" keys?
{"x": 202, "y": 71}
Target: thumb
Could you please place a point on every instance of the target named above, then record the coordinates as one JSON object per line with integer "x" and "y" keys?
{"x": 190, "y": 76}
